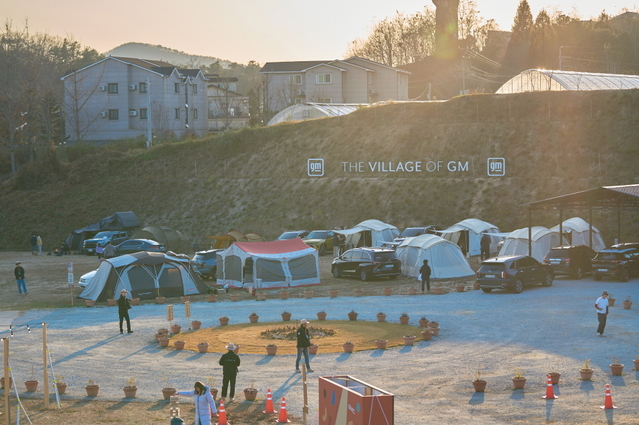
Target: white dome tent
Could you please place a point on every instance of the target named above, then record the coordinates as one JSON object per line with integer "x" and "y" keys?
{"x": 516, "y": 243}
{"x": 468, "y": 233}
{"x": 577, "y": 230}
{"x": 444, "y": 257}
{"x": 369, "y": 233}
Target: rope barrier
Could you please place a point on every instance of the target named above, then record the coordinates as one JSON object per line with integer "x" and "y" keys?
{"x": 20, "y": 407}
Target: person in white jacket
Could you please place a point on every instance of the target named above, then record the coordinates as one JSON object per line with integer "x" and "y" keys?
{"x": 204, "y": 403}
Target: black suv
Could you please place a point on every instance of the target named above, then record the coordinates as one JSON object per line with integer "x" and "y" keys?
{"x": 513, "y": 272}
{"x": 573, "y": 260}
{"x": 116, "y": 237}
{"x": 367, "y": 263}
{"x": 204, "y": 263}
{"x": 619, "y": 263}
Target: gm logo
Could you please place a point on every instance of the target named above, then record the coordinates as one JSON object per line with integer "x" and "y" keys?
{"x": 315, "y": 167}
{"x": 496, "y": 167}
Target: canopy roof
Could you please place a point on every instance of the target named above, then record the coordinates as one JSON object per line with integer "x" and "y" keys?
{"x": 614, "y": 197}
{"x": 274, "y": 247}
{"x": 554, "y": 80}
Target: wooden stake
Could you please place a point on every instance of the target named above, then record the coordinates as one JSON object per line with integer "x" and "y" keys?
{"x": 305, "y": 390}
{"x": 45, "y": 372}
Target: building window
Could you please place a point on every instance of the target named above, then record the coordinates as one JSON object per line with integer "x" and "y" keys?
{"x": 177, "y": 113}
{"x": 194, "y": 88}
{"x": 194, "y": 114}
{"x": 144, "y": 114}
{"x": 114, "y": 114}
{"x": 324, "y": 100}
{"x": 295, "y": 79}
{"x": 143, "y": 87}
{"x": 113, "y": 88}
{"x": 323, "y": 78}
{"x": 176, "y": 87}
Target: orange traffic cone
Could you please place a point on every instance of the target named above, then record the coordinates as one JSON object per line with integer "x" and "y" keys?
{"x": 222, "y": 415}
{"x": 608, "y": 400}
{"x": 550, "y": 391}
{"x": 283, "y": 419}
{"x": 269, "y": 402}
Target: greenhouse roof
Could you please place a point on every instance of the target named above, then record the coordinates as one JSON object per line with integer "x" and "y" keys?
{"x": 308, "y": 111}
{"x": 552, "y": 80}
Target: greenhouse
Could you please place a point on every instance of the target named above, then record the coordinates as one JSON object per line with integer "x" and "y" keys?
{"x": 311, "y": 111}
{"x": 552, "y": 80}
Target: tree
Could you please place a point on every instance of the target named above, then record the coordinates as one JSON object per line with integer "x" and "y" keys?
{"x": 517, "y": 50}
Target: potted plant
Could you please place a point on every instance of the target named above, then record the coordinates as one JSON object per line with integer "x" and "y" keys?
{"x": 32, "y": 384}
{"x": 312, "y": 349}
{"x": 333, "y": 293}
{"x": 321, "y": 315}
{"x": 479, "y": 384}
{"x": 404, "y": 318}
{"x": 92, "y": 388}
{"x": 636, "y": 362}
{"x": 286, "y": 316}
{"x": 253, "y": 317}
{"x": 89, "y": 303}
{"x": 135, "y": 301}
{"x": 284, "y": 295}
{"x": 388, "y": 291}
{"x": 130, "y": 389}
{"x": 381, "y": 316}
{"x": 627, "y": 303}
{"x": 352, "y": 315}
{"x": 175, "y": 329}
{"x": 10, "y": 382}
{"x": 203, "y": 347}
{"x": 235, "y": 297}
{"x": 211, "y": 382}
{"x": 196, "y": 324}
{"x": 58, "y": 380}
{"x": 271, "y": 349}
{"x": 616, "y": 368}
{"x": 586, "y": 371}
{"x": 159, "y": 299}
{"x": 308, "y": 294}
{"x": 179, "y": 345}
{"x": 381, "y": 344}
{"x": 554, "y": 377}
{"x": 164, "y": 340}
{"x": 112, "y": 302}
{"x": 476, "y": 285}
{"x": 261, "y": 296}
{"x": 437, "y": 290}
{"x": 167, "y": 391}
{"x": 358, "y": 292}
{"x": 427, "y": 335}
{"x": 519, "y": 381}
{"x": 611, "y": 300}
{"x": 460, "y": 288}
{"x": 250, "y": 393}
{"x": 223, "y": 321}
{"x": 409, "y": 339}
{"x": 412, "y": 291}
{"x": 423, "y": 322}
{"x": 348, "y": 347}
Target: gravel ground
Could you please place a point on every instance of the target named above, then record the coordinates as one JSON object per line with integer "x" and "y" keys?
{"x": 539, "y": 330}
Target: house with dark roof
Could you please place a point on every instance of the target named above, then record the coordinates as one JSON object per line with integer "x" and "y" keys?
{"x": 125, "y": 98}
{"x": 228, "y": 109}
{"x": 354, "y": 80}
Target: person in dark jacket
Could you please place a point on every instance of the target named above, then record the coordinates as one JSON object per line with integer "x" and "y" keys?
{"x": 485, "y": 246}
{"x": 34, "y": 244}
{"x": 19, "y": 274}
{"x": 230, "y": 363}
{"x": 425, "y": 272}
{"x": 303, "y": 342}
{"x": 123, "y": 311}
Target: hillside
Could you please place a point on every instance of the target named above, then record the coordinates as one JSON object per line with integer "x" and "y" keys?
{"x": 257, "y": 179}
{"x": 157, "y": 52}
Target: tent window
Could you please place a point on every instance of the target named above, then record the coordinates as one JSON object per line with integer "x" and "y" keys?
{"x": 302, "y": 267}
{"x": 269, "y": 270}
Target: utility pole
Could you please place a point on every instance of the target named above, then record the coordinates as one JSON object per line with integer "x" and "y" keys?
{"x": 149, "y": 124}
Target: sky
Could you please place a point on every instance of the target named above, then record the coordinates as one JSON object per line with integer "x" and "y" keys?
{"x": 245, "y": 30}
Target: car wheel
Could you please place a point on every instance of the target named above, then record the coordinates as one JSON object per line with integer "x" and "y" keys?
{"x": 547, "y": 280}
{"x": 322, "y": 250}
{"x": 519, "y": 286}
{"x": 579, "y": 274}
{"x": 624, "y": 275}
{"x": 364, "y": 274}
{"x": 597, "y": 276}
{"x": 486, "y": 290}
{"x": 336, "y": 272}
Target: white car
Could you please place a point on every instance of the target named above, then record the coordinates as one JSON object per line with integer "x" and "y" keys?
{"x": 86, "y": 278}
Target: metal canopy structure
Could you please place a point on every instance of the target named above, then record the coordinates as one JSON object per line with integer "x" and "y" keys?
{"x": 615, "y": 198}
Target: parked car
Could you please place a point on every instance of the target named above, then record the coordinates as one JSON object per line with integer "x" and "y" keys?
{"x": 137, "y": 245}
{"x": 573, "y": 260}
{"x": 619, "y": 263}
{"x": 513, "y": 272}
{"x": 204, "y": 263}
{"x": 321, "y": 240}
{"x": 411, "y": 232}
{"x": 367, "y": 263}
{"x": 625, "y": 245}
{"x": 86, "y": 278}
{"x": 293, "y": 234}
{"x": 116, "y": 237}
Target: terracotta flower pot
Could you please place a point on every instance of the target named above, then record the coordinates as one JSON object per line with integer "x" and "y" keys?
{"x": 175, "y": 329}
{"x": 427, "y": 335}
{"x": 163, "y": 331}
{"x": 352, "y": 316}
{"x": 253, "y": 318}
{"x": 261, "y": 297}
{"x": 321, "y": 315}
{"x": 381, "y": 344}
{"x": 611, "y": 301}
{"x": 185, "y": 298}
{"x": 460, "y": 288}
{"x": 89, "y": 303}
{"x": 313, "y": 349}
{"x": 286, "y": 317}
{"x": 616, "y": 369}
{"x": 62, "y": 387}
{"x": 333, "y": 293}
{"x": 284, "y": 295}
{"x": 626, "y": 305}
{"x": 358, "y": 292}
{"x": 130, "y": 392}
{"x": 135, "y": 301}
{"x": 412, "y": 291}
{"x": 224, "y": 321}
{"x": 179, "y": 345}
{"x": 202, "y": 348}
{"x": 211, "y": 298}
{"x": 164, "y": 341}
{"x": 434, "y": 331}
{"x": 476, "y": 286}
{"x": 479, "y": 386}
{"x": 423, "y": 323}
{"x": 348, "y": 348}
{"x": 554, "y": 377}
{"x": 404, "y": 320}
{"x": 437, "y": 291}
{"x": 586, "y": 374}
{"x": 213, "y": 393}
{"x": 159, "y": 336}
{"x": 636, "y": 362}
{"x": 250, "y": 394}
{"x": 388, "y": 291}
{"x": 409, "y": 339}
{"x": 167, "y": 392}
{"x": 160, "y": 300}
{"x": 271, "y": 350}
{"x": 92, "y": 390}
{"x": 235, "y": 297}
{"x": 2, "y": 382}
{"x": 308, "y": 294}
{"x": 519, "y": 383}
{"x": 111, "y": 302}
{"x": 31, "y": 385}
{"x": 433, "y": 324}
{"x": 381, "y": 317}
{"x": 196, "y": 324}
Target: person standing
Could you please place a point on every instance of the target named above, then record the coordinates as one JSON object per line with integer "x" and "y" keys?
{"x": 425, "y": 272}
{"x": 123, "y": 311}
{"x": 204, "y": 403}
{"x": 485, "y": 246}
{"x": 230, "y": 363}
{"x": 19, "y": 274}
{"x": 98, "y": 251}
{"x": 39, "y": 243}
{"x": 34, "y": 244}
{"x": 109, "y": 251}
{"x": 335, "y": 244}
{"x": 303, "y": 342}
{"x": 602, "y": 312}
